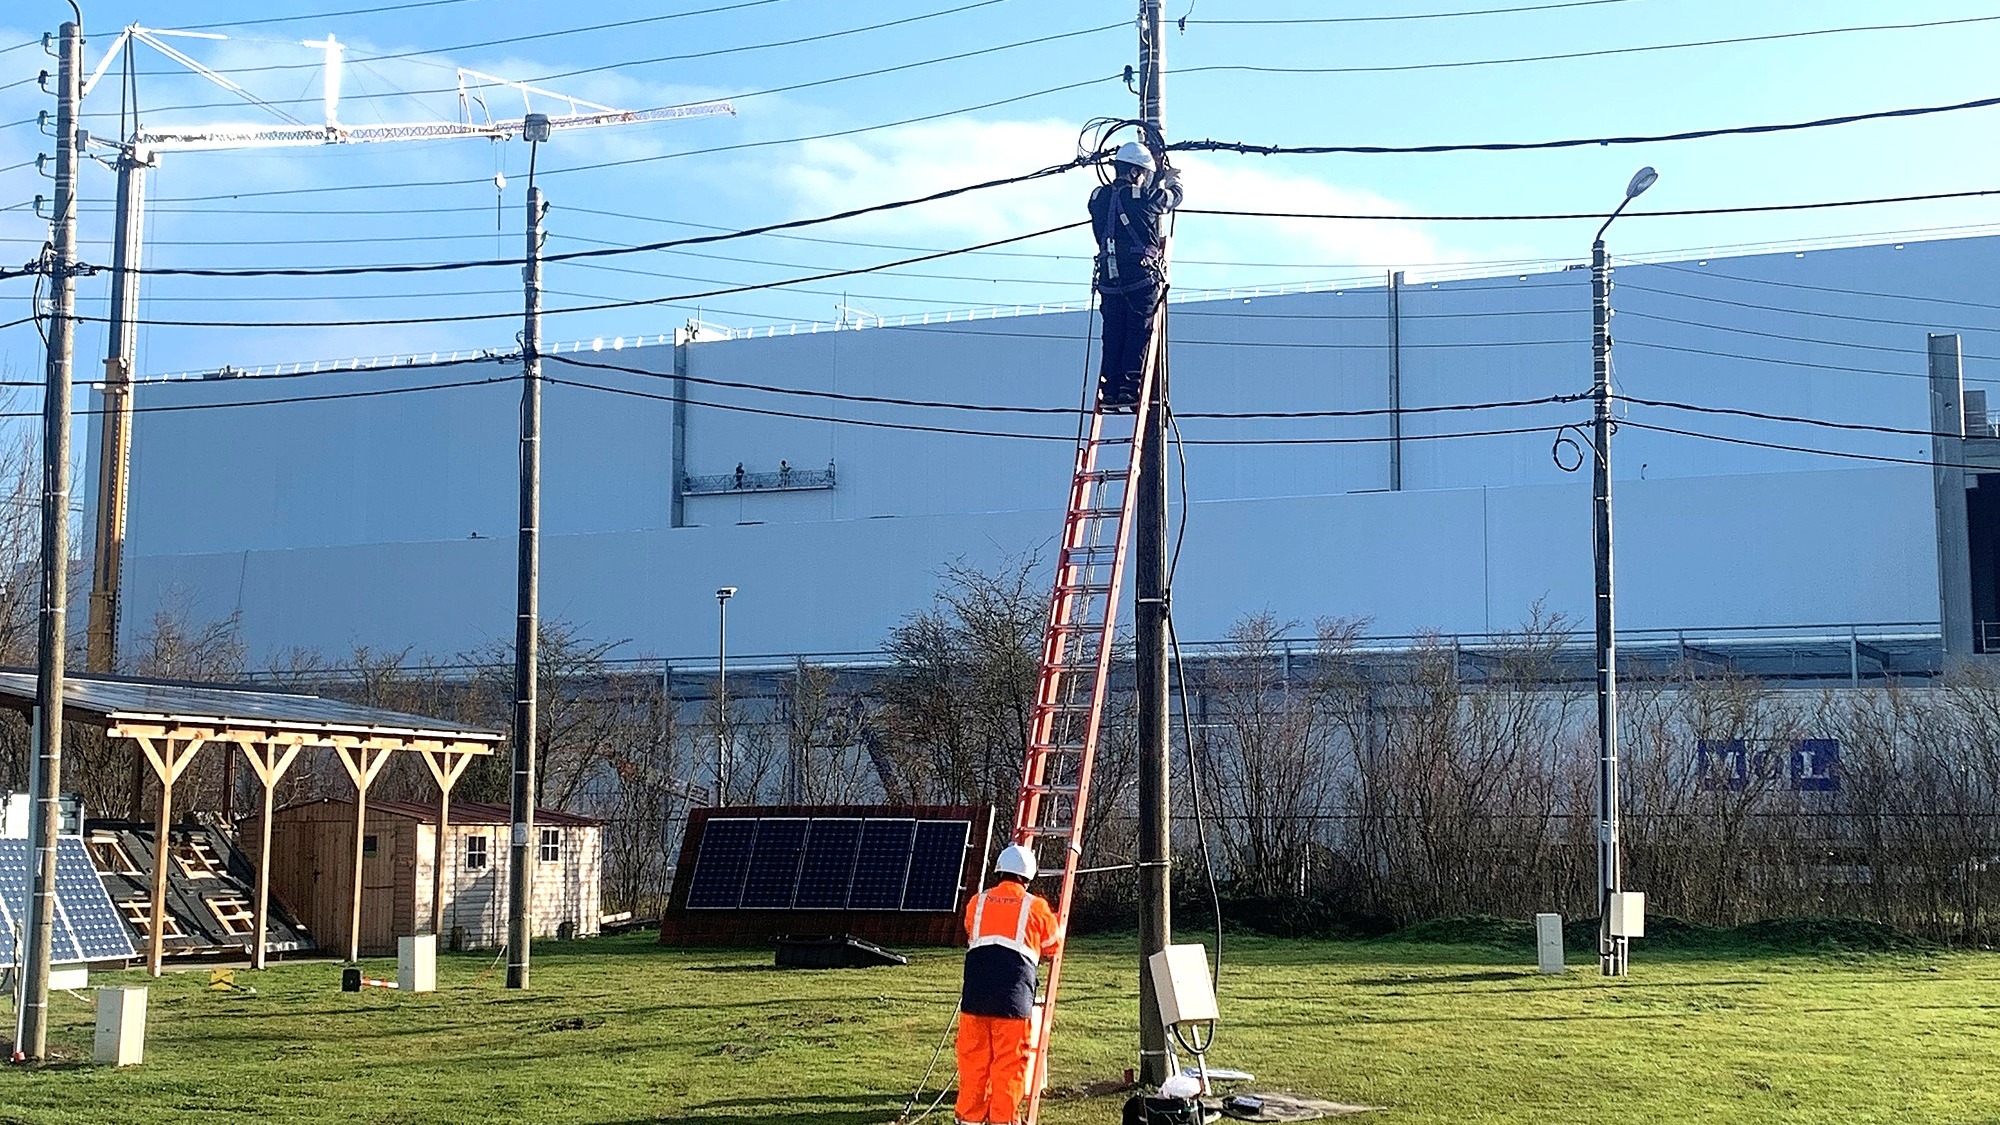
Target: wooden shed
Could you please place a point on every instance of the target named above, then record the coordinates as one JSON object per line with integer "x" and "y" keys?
{"x": 312, "y": 871}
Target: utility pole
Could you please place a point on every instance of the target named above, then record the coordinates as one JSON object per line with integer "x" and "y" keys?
{"x": 45, "y": 815}
{"x": 527, "y": 585}
{"x": 1613, "y": 950}
{"x": 114, "y": 454}
{"x": 1150, "y": 624}
{"x": 722, "y": 596}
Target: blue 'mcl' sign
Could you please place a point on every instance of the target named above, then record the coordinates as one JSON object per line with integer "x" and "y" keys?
{"x": 1812, "y": 765}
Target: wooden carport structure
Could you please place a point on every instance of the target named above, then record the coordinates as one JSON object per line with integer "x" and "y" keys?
{"x": 170, "y": 722}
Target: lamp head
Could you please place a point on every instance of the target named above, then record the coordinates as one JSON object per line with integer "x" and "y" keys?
{"x": 1641, "y": 180}
{"x": 535, "y": 127}
{"x": 725, "y": 593}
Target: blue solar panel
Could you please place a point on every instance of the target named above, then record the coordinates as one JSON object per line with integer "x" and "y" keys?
{"x": 829, "y": 865}
{"x": 937, "y": 861}
{"x": 87, "y": 926}
{"x": 721, "y": 865}
{"x": 882, "y": 865}
{"x": 774, "y": 864}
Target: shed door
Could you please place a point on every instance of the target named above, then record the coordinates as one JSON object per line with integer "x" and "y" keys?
{"x": 378, "y": 888}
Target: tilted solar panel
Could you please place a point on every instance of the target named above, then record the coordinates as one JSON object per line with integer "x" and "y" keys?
{"x": 774, "y": 864}
{"x": 937, "y": 860}
{"x": 882, "y": 865}
{"x": 721, "y": 865}
{"x": 828, "y": 868}
{"x": 87, "y": 927}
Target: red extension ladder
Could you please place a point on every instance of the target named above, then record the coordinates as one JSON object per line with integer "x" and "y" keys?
{"x": 1077, "y": 648}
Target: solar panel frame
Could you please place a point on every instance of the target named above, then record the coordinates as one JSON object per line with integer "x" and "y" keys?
{"x": 773, "y": 875}
{"x": 835, "y": 868}
{"x": 712, "y": 882}
{"x": 937, "y": 853}
{"x": 882, "y": 864}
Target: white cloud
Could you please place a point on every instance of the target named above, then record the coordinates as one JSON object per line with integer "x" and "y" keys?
{"x": 833, "y": 175}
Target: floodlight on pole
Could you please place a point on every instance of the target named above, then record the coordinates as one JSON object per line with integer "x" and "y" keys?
{"x": 722, "y": 596}
{"x": 1613, "y": 949}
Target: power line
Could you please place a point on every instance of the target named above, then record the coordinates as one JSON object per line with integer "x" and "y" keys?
{"x": 1070, "y": 411}
{"x": 1761, "y": 208}
{"x": 1822, "y": 288}
{"x": 319, "y": 15}
{"x": 1597, "y": 53}
{"x": 1411, "y": 16}
{"x": 1795, "y": 311}
{"x": 461, "y": 318}
{"x": 1782, "y": 447}
{"x": 377, "y": 392}
{"x": 1575, "y": 142}
{"x": 1816, "y": 366}
{"x": 1737, "y": 412}
{"x": 1786, "y": 336}
{"x": 668, "y": 244}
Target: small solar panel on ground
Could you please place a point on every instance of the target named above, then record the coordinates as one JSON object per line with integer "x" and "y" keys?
{"x": 828, "y": 869}
{"x": 87, "y": 926}
{"x": 774, "y": 864}
{"x": 721, "y": 865}
{"x": 882, "y": 865}
{"x": 937, "y": 861}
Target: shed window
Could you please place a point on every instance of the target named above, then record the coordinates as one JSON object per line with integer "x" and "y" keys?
{"x": 370, "y": 846}
{"x": 551, "y": 845}
{"x": 475, "y": 853}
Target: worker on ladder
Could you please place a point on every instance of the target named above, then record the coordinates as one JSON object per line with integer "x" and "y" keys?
{"x": 1128, "y": 217}
{"x": 1010, "y": 931}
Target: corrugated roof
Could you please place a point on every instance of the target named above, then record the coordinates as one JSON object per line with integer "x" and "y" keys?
{"x": 114, "y": 699}
{"x": 463, "y": 812}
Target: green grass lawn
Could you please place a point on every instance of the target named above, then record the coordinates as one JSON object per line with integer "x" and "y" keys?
{"x": 620, "y": 1030}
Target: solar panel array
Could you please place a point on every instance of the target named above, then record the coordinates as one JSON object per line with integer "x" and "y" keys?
{"x": 87, "y": 926}
{"x": 830, "y": 863}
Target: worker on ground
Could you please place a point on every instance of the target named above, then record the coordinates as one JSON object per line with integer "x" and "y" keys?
{"x": 1010, "y": 930}
{"x": 1129, "y": 218}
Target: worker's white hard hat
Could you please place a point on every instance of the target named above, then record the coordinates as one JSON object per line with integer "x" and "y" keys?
{"x": 1135, "y": 154}
{"x": 1016, "y": 860}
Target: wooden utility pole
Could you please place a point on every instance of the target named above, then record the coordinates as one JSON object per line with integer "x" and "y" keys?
{"x": 527, "y": 622}
{"x": 1150, "y": 622}
{"x": 45, "y": 816}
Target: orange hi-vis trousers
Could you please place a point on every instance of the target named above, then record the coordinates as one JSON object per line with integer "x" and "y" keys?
{"x": 992, "y": 1069}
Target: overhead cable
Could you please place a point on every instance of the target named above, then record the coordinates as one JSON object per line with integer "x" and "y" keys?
{"x": 1926, "y": 462}
{"x": 1576, "y": 142}
{"x": 1681, "y": 213}
{"x": 1827, "y": 423}
{"x": 1406, "y": 17}
{"x": 1591, "y": 54}
{"x": 319, "y": 15}
{"x": 667, "y": 244}
{"x": 461, "y": 318}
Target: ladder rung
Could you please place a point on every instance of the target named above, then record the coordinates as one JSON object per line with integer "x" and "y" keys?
{"x": 1102, "y": 476}
{"x": 1055, "y": 748}
{"x": 1095, "y": 513}
{"x": 1050, "y": 790}
{"x": 1085, "y": 588}
{"x": 1046, "y": 829}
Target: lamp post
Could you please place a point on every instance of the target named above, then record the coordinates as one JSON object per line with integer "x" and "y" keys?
{"x": 1613, "y": 951}
{"x": 722, "y": 596}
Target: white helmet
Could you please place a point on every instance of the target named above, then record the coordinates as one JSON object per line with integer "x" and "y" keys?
{"x": 1015, "y": 859}
{"x": 1135, "y": 154}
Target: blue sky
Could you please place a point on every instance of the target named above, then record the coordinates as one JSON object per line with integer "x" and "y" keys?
{"x": 343, "y": 205}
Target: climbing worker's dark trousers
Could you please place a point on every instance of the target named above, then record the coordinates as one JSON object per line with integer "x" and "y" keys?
{"x": 1128, "y": 329}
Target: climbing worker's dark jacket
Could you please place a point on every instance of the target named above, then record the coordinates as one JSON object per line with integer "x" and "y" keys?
{"x": 1130, "y": 223}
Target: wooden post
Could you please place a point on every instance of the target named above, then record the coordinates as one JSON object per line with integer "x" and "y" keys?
{"x": 446, "y": 768}
{"x": 361, "y": 769}
{"x": 269, "y": 760}
{"x": 168, "y": 768}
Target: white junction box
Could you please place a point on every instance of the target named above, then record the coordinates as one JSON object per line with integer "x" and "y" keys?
{"x": 1181, "y": 983}
{"x": 416, "y": 963}
{"x": 1549, "y": 943}
{"x": 121, "y": 1026}
{"x": 1628, "y": 914}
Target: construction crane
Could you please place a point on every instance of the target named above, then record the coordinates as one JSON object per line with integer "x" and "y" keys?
{"x": 134, "y": 153}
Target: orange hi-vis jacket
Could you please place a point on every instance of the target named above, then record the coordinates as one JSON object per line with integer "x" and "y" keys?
{"x": 1009, "y": 932}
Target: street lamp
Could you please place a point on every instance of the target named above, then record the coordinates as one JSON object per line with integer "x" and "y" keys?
{"x": 1613, "y": 950}
{"x": 722, "y": 596}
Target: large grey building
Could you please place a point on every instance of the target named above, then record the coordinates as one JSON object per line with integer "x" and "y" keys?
{"x": 389, "y": 520}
